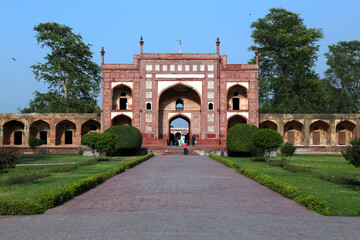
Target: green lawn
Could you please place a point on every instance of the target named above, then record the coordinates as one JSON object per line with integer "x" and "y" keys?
{"x": 343, "y": 200}
{"x": 32, "y": 190}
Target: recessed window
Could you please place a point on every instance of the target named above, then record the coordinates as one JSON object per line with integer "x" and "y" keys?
{"x": 179, "y": 104}
{"x": 148, "y": 106}
{"x": 211, "y": 106}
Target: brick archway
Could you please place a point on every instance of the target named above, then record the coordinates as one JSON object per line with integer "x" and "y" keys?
{"x": 187, "y": 132}
{"x": 190, "y": 108}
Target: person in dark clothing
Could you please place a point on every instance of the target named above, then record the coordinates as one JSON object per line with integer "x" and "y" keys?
{"x": 193, "y": 140}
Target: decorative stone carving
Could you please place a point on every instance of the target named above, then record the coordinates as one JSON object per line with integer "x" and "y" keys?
{"x": 148, "y": 68}
{"x": 148, "y": 95}
{"x": 210, "y": 84}
{"x": 164, "y": 68}
{"x": 211, "y": 117}
{"x": 211, "y": 95}
{"x": 148, "y": 85}
{"x": 148, "y": 117}
{"x": 211, "y": 68}
{"x": 187, "y": 68}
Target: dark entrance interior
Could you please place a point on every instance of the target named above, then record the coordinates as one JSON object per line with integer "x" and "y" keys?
{"x": 17, "y": 138}
{"x": 68, "y": 137}
{"x": 236, "y": 104}
{"x": 43, "y": 136}
{"x": 123, "y": 103}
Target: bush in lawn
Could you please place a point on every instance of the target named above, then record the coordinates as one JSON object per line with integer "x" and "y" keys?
{"x": 90, "y": 140}
{"x": 128, "y": 137}
{"x": 238, "y": 138}
{"x": 352, "y": 152}
{"x": 287, "y": 150}
{"x": 35, "y": 142}
{"x": 8, "y": 159}
{"x": 106, "y": 143}
{"x": 266, "y": 140}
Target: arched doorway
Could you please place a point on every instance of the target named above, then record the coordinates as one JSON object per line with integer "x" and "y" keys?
{"x": 40, "y": 129}
{"x": 90, "y": 126}
{"x": 179, "y": 128}
{"x": 13, "y": 133}
{"x": 175, "y": 101}
{"x": 121, "y": 120}
{"x": 237, "y": 98}
{"x": 345, "y": 131}
{"x": 65, "y": 133}
{"x": 237, "y": 119}
{"x": 319, "y": 133}
{"x": 269, "y": 124}
{"x": 122, "y": 98}
{"x": 293, "y": 132}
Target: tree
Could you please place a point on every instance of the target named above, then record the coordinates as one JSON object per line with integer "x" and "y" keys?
{"x": 238, "y": 138}
{"x": 343, "y": 76}
{"x": 352, "y": 152}
{"x": 106, "y": 143}
{"x": 287, "y": 55}
{"x": 73, "y": 79}
{"x": 35, "y": 142}
{"x": 266, "y": 140}
{"x": 287, "y": 150}
{"x": 90, "y": 140}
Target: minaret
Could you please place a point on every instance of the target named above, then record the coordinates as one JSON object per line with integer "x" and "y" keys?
{"x": 102, "y": 55}
{"x": 257, "y": 56}
{"x": 218, "y": 46}
{"x": 141, "y": 45}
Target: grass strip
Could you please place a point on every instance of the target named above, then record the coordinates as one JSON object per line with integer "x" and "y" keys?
{"x": 56, "y": 197}
{"x": 311, "y": 202}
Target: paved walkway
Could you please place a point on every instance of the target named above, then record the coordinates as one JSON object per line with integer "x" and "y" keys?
{"x": 179, "y": 197}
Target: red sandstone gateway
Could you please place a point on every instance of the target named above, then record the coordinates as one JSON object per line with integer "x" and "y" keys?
{"x": 202, "y": 89}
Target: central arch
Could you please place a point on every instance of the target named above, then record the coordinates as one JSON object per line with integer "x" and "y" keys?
{"x": 176, "y": 132}
{"x": 178, "y": 101}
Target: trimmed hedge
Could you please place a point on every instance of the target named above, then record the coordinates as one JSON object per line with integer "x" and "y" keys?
{"x": 311, "y": 202}
{"x": 20, "y": 208}
{"x": 128, "y": 137}
{"x": 56, "y": 197}
{"x": 239, "y": 136}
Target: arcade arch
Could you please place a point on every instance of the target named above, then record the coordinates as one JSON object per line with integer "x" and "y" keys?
{"x": 40, "y": 129}
{"x": 65, "y": 133}
{"x": 121, "y": 120}
{"x": 237, "y": 119}
{"x": 345, "y": 131}
{"x": 90, "y": 126}
{"x": 319, "y": 133}
{"x": 13, "y": 133}
{"x": 121, "y": 98}
{"x": 237, "y": 98}
{"x": 269, "y": 124}
{"x": 293, "y": 132}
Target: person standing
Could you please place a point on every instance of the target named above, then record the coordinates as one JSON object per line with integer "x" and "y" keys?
{"x": 185, "y": 148}
{"x": 193, "y": 140}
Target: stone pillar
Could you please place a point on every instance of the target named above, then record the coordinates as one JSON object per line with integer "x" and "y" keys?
{"x": 306, "y": 132}
{"x": 333, "y": 138}
{"x": 77, "y": 134}
{"x": 102, "y": 55}
{"x": 141, "y": 45}
{"x": 26, "y": 133}
{"x": 218, "y": 46}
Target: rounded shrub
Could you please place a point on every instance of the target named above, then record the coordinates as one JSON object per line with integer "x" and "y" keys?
{"x": 238, "y": 138}
{"x": 128, "y": 137}
{"x": 266, "y": 140}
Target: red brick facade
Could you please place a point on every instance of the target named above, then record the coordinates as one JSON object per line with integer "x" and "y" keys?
{"x": 214, "y": 95}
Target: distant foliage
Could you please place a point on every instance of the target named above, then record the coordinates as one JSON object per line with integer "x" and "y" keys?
{"x": 35, "y": 142}
{"x": 352, "y": 152}
{"x": 8, "y": 159}
{"x": 239, "y": 138}
{"x": 287, "y": 150}
{"x": 128, "y": 137}
{"x": 266, "y": 140}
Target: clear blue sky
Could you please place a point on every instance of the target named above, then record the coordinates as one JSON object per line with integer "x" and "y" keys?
{"x": 117, "y": 25}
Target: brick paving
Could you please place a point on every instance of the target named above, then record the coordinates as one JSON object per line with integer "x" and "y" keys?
{"x": 179, "y": 197}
